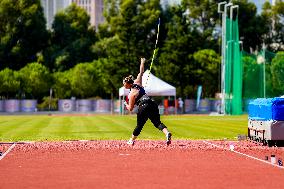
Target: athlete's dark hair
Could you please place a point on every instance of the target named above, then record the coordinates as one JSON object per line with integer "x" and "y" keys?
{"x": 129, "y": 79}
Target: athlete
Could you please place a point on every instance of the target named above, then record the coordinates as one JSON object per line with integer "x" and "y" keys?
{"x": 147, "y": 108}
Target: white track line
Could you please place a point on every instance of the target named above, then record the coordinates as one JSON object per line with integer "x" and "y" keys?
{"x": 263, "y": 161}
{"x": 3, "y": 155}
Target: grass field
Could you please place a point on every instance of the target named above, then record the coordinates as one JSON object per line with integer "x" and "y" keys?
{"x": 108, "y": 127}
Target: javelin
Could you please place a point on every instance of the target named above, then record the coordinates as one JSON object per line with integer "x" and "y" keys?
{"x": 155, "y": 51}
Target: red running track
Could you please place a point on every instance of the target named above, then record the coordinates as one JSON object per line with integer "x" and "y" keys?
{"x": 148, "y": 164}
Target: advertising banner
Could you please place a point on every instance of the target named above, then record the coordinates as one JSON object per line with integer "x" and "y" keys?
{"x": 1, "y": 105}
{"x": 66, "y": 105}
{"x": 28, "y": 105}
{"x": 102, "y": 106}
{"x": 12, "y": 105}
{"x": 84, "y": 105}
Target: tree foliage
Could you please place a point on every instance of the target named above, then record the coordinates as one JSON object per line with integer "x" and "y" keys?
{"x": 128, "y": 34}
{"x": 62, "y": 86}
{"x": 82, "y": 62}
{"x": 85, "y": 80}
{"x": 82, "y": 81}
{"x": 274, "y": 17}
{"x": 187, "y": 34}
{"x": 175, "y": 63}
{"x": 277, "y": 71}
{"x": 35, "y": 80}
{"x": 9, "y": 83}
{"x": 203, "y": 16}
{"x": 207, "y": 70}
{"x": 23, "y": 32}
{"x": 71, "y": 39}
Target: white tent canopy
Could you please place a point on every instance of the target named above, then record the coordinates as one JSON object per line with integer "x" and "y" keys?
{"x": 154, "y": 86}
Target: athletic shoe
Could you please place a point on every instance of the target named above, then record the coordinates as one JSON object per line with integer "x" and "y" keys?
{"x": 131, "y": 142}
{"x": 169, "y": 138}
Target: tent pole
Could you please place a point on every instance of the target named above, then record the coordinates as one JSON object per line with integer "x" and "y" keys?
{"x": 122, "y": 105}
{"x": 120, "y": 108}
{"x": 175, "y": 104}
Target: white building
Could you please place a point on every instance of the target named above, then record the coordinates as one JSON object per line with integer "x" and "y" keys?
{"x": 93, "y": 7}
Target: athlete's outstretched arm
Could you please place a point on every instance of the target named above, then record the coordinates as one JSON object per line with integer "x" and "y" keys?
{"x": 131, "y": 98}
{"x": 138, "y": 80}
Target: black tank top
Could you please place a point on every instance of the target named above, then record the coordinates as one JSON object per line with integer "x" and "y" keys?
{"x": 141, "y": 91}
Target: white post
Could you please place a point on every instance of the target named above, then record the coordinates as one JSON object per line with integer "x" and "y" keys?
{"x": 175, "y": 105}
{"x": 120, "y": 107}
{"x": 232, "y": 10}
{"x": 122, "y": 104}
{"x": 224, "y": 16}
{"x": 220, "y": 11}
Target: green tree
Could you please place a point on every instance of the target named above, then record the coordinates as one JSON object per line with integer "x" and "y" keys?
{"x": 110, "y": 64}
{"x": 71, "y": 39}
{"x": 279, "y": 7}
{"x": 274, "y": 17}
{"x": 207, "y": 70}
{"x": 277, "y": 70}
{"x": 111, "y": 9}
{"x": 9, "y": 83}
{"x": 35, "y": 80}
{"x": 22, "y": 31}
{"x": 62, "y": 85}
{"x": 175, "y": 60}
{"x": 189, "y": 28}
{"x": 203, "y": 16}
{"x": 128, "y": 34}
{"x": 84, "y": 80}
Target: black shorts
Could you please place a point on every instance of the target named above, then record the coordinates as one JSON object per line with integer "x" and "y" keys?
{"x": 148, "y": 110}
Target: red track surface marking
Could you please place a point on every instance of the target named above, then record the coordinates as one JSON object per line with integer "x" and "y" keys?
{"x": 150, "y": 164}
{"x": 7, "y": 151}
{"x": 256, "y": 150}
{"x": 246, "y": 155}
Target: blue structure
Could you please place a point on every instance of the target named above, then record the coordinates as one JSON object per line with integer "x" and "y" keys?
{"x": 266, "y": 109}
{"x": 266, "y": 120}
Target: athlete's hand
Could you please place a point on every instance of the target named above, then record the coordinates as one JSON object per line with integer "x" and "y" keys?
{"x": 125, "y": 103}
{"x": 143, "y": 60}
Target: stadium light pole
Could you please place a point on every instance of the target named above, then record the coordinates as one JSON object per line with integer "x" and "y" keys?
{"x": 232, "y": 10}
{"x": 226, "y": 9}
{"x": 222, "y": 9}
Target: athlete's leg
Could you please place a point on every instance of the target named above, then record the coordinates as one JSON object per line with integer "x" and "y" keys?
{"x": 142, "y": 117}
{"x": 154, "y": 116}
